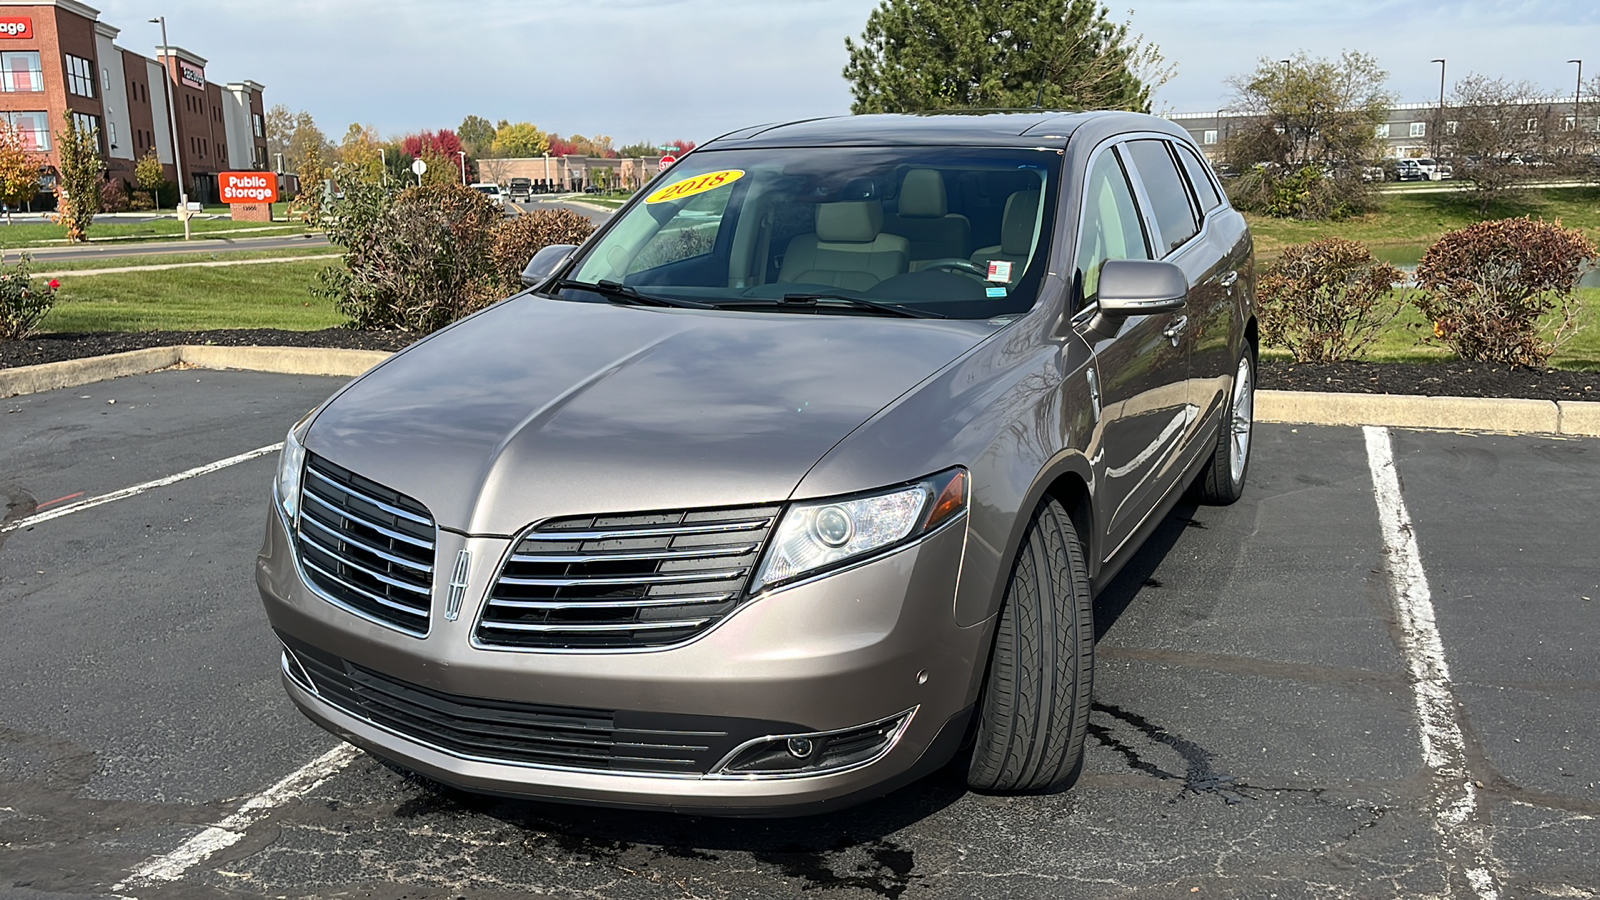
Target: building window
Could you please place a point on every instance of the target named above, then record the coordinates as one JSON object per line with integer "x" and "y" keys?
{"x": 1568, "y": 123}
{"x": 20, "y": 72}
{"x": 1211, "y": 136}
{"x": 32, "y": 128}
{"x": 261, "y": 128}
{"x": 87, "y": 123}
{"x": 80, "y": 76}
{"x": 111, "y": 133}
{"x": 1532, "y": 126}
{"x": 1419, "y": 129}
{"x": 1382, "y": 132}
{"x": 105, "y": 79}
{"x": 1452, "y": 127}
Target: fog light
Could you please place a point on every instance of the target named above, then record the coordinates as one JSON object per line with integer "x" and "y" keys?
{"x": 794, "y": 755}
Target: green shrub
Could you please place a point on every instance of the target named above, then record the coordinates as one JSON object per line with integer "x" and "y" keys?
{"x": 1504, "y": 291}
{"x": 1307, "y": 193}
{"x": 24, "y": 301}
{"x": 517, "y": 239}
{"x": 1326, "y": 301}
{"x": 414, "y": 261}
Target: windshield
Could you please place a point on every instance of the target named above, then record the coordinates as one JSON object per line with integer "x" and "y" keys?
{"x": 940, "y": 231}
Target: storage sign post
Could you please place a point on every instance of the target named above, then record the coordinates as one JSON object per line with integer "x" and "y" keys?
{"x": 249, "y": 195}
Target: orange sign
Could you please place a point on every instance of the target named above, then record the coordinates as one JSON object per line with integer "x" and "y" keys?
{"x": 248, "y": 187}
{"x": 696, "y": 185}
{"x": 16, "y": 28}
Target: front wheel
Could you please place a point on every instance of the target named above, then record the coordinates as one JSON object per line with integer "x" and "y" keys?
{"x": 1222, "y": 482}
{"x": 1034, "y": 714}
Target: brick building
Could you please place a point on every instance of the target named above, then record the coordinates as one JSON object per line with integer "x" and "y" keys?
{"x": 56, "y": 57}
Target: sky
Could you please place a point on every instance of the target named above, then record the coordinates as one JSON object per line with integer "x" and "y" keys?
{"x": 659, "y": 70}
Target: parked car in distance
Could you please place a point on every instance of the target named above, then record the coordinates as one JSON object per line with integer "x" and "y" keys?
{"x": 795, "y": 482}
{"x": 1372, "y": 173}
{"x": 491, "y": 190}
{"x": 1429, "y": 167}
{"x": 1444, "y": 172}
{"x": 1409, "y": 170}
{"x": 519, "y": 188}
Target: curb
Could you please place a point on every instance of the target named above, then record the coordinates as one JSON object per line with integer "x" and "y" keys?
{"x": 1565, "y": 417}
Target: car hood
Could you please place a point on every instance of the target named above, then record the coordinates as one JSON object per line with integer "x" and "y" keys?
{"x": 538, "y": 408}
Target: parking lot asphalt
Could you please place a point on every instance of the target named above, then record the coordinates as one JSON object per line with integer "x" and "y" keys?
{"x": 1326, "y": 690}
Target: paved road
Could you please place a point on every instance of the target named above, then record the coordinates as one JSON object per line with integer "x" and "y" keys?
{"x": 166, "y": 248}
{"x": 1256, "y": 731}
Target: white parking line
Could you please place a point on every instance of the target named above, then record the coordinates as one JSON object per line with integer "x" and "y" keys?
{"x": 137, "y": 489}
{"x": 231, "y": 830}
{"x": 1456, "y": 818}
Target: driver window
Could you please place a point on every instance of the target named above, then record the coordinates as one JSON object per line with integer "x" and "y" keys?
{"x": 1111, "y": 225}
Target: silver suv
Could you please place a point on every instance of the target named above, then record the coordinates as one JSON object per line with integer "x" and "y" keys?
{"x": 792, "y": 484}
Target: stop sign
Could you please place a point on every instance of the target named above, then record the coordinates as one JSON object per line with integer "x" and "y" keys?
{"x": 666, "y": 163}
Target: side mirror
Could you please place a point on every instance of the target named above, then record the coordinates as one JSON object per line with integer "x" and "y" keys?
{"x": 1139, "y": 287}
{"x": 544, "y": 262}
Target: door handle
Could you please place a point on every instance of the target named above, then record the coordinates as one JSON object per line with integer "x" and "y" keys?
{"x": 1227, "y": 281}
{"x": 1174, "y": 332}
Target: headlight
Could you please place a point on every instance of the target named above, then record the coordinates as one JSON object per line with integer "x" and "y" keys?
{"x": 291, "y": 463}
{"x": 820, "y": 534}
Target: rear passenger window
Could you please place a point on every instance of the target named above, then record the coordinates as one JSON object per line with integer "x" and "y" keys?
{"x": 1204, "y": 188}
{"x": 1169, "y": 199}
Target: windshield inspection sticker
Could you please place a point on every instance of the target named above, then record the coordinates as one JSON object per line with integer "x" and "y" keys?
{"x": 995, "y": 292}
{"x": 696, "y": 185}
{"x": 999, "y": 270}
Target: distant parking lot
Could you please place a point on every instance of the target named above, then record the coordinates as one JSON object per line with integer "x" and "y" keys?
{"x": 1364, "y": 680}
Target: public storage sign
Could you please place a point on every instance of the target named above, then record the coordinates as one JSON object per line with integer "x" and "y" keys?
{"x": 15, "y": 28}
{"x": 248, "y": 187}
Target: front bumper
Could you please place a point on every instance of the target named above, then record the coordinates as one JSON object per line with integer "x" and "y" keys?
{"x": 857, "y": 646}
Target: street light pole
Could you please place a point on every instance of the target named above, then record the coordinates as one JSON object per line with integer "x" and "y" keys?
{"x": 383, "y": 160}
{"x": 1438, "y": 128}
{"x": 1577, "y": 94}
{"x": 172, "y": 119}
{"x": 463, "y": 155}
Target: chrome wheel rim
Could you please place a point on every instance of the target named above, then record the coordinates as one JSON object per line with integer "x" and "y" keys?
{"x": 1244, "y": 403}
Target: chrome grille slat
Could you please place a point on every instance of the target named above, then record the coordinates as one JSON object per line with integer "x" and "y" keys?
{"x": 623, "y": 580}
{"x": 666, "y": 578}
{"x": 374, "y": 569}
{"x": 392, "y": 510}
{"x": 367, "y": 547}
{"x": 365, "y": 523}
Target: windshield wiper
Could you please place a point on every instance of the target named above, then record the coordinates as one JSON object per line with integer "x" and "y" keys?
{"x": 628, "y": 296}
{"x": 812, "y": 301}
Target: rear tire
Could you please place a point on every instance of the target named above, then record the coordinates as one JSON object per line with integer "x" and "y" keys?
{"x": 1222, "y": 482}
{"x": 1034, "y": 714}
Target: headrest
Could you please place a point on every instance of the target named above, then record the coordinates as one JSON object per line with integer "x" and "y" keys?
{"x": 1016, "y": 229}
{"x": 855, "y": 222}
{"x": 922, "y": 195}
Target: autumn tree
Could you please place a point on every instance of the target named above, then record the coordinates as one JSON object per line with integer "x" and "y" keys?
{"x": 149, "y": 175}
{"x": 1497, "y": 128}
{"x": 19, "y": 170}
{"x": 477, "y": 134}
{"x": 360, "y": 155}
{"x": 519, "y": 140}
{"x": 578, "y": 145}
{"x": 918, "y": 55}
{"x": 296, "y": 136}
{"x": 82, "y": 169}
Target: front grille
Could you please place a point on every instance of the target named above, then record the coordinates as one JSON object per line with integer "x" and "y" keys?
{"x": 624, "y": 581}
{"x": 523, "y": 733}
{"x": 368, "y": 547}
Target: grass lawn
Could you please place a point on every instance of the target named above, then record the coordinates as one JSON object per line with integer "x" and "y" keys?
{"x": 270, "y": 295}
{"x": 72, "y": 265}
{"x": 1419, "y": 219}
{"x": 43, "y": 234}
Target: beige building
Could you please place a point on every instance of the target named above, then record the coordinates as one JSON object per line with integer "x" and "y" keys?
{"x": 571, "y": 173}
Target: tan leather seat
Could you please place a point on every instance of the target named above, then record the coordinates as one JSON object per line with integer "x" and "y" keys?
{"x": 848, "y": 250}
{"x": 1017, "y": 227}
{"x": 924, "y": 219}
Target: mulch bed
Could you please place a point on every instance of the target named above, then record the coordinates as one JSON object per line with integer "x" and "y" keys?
{"x": 1437, "y": 379}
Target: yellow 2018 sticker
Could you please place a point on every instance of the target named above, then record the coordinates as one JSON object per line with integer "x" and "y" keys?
{"x": 696, "y": 185}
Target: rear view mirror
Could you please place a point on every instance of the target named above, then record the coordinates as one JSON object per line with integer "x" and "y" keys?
{"x": 545, "y": 262}
{"x": 1139, "y": 287}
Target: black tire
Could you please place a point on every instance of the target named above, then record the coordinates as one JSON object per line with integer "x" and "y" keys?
{"x": 1223, "y": 480}
{"x": 1034, "y": 713}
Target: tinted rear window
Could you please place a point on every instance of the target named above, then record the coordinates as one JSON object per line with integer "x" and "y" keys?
{"x": 1204, "y": 189}
{"x": 1169, "y": 199}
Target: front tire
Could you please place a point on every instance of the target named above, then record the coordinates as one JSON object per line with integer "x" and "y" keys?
{"x": 1034, "y": 714}
{"x": 1222, "y": 482}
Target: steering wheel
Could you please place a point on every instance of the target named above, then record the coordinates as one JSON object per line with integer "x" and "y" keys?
{"x": 958, "y": 266}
